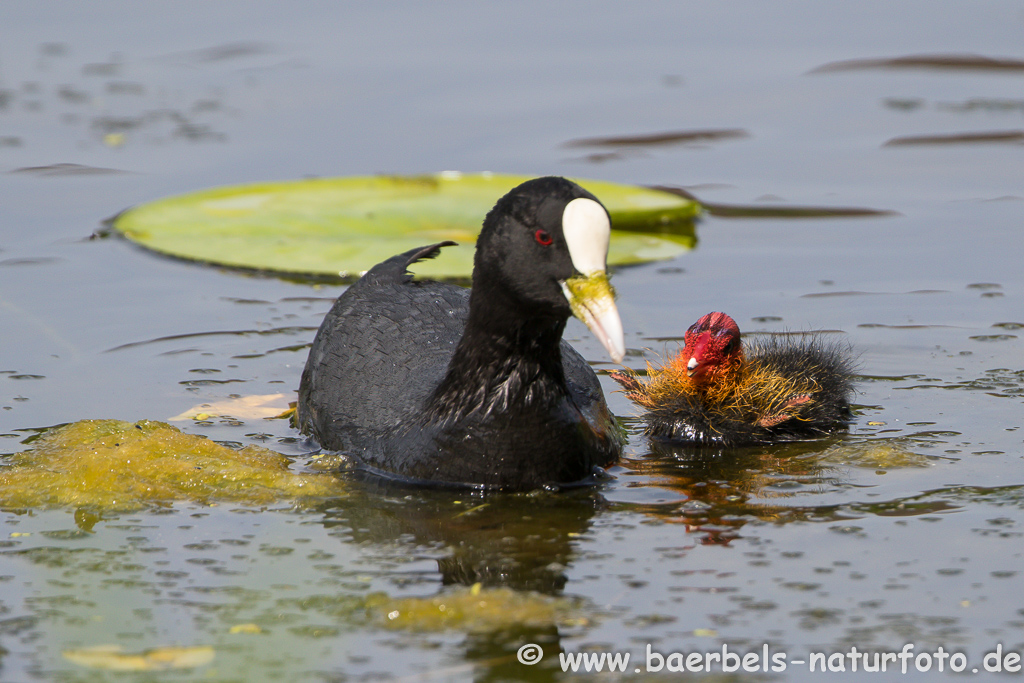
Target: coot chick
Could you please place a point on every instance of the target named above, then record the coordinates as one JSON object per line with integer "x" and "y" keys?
{"x": 428, "y": 383}
{"x": 716, "y": 392}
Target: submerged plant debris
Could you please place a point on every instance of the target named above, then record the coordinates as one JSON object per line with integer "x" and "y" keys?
{"x": 876, "y": 454}
{"x": 263, "y": 406}
{"x": 775, "y": 211}
{"x": 941, "y": 62}
{"x": 110, "y": 465}
{"x": 471, "y": 609}
{"x": 113, "y": 658}
{"x": 1015, "y": 137}
{"x": 672, "y": 137}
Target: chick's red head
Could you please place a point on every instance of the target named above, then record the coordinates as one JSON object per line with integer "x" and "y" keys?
{"x": 712, "y": 346}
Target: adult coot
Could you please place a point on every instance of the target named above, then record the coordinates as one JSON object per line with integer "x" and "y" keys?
{"x": 426, "y": 382}
{"x": 716, "y": 393}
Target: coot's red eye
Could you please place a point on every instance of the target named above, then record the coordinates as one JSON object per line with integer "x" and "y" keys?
{"x": 543, "y": 237}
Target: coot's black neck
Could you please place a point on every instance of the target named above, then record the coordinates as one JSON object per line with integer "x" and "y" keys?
{"x": 509, "y": 355}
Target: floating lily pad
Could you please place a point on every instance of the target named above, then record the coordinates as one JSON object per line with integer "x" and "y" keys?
{"x": 343, "y": 226}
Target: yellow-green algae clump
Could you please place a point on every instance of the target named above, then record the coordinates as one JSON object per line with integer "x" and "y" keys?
{"x": 472, "y": 609}
{"x": 118, "y": 466}
{"x": 875, "y": 454}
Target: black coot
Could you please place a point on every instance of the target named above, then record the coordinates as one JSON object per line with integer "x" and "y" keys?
{"x": 426, "y": 382}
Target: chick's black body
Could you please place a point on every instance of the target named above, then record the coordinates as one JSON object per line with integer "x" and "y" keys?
{"x": 430, "y": 383}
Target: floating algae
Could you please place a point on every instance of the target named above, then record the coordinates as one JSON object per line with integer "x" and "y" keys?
{"x": 874, "y": 454}
{"x": 109, "y": 465}
{"x": 113, "y": 658}
{"x": 471, "y": 609}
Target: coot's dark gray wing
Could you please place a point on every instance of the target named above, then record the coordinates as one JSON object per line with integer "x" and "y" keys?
{"x": 585, "y": 389}
{"x": 379, "y": 353}
{"x": 385, "y": 346}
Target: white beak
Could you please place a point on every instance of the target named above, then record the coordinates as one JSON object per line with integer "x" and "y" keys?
{"x": 587, "y": 231}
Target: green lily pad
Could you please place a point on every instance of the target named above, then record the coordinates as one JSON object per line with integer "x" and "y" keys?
{"x": 343, "y": 226}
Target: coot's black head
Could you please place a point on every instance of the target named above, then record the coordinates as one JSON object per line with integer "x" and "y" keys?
{"x": 544, "y": 247}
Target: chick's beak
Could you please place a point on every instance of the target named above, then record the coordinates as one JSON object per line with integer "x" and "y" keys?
{"x": 695, "y": 367}
{"x": 593, "y": 301}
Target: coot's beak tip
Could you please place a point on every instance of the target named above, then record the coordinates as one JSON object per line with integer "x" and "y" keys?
{"x": 587, "y": 230}
{"x": 615, "y": 342}
{"x": 592, "y": 301}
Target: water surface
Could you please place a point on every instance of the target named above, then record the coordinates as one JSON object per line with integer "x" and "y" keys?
{"x": 905, "y": 531}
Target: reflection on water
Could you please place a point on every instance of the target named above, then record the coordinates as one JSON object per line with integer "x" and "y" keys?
{"x": 476, "y": 575}
{"x": 386, "y": 563}
{"x": 521, "y": 541}
{"x": 390, "y": 564}
{"x": 720, "y": 490}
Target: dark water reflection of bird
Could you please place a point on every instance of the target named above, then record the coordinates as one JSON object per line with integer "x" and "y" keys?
{"x": 520, "y": 541}
{"x": 526, "y": 542}
{"x": 723, "y": 489}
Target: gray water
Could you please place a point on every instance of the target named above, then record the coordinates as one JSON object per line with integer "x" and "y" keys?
{"x": 905, "y": 531}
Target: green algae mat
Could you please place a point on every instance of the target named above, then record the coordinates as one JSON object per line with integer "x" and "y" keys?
{"x": 115, "y": 466}
{"x": 343, "y": 226}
